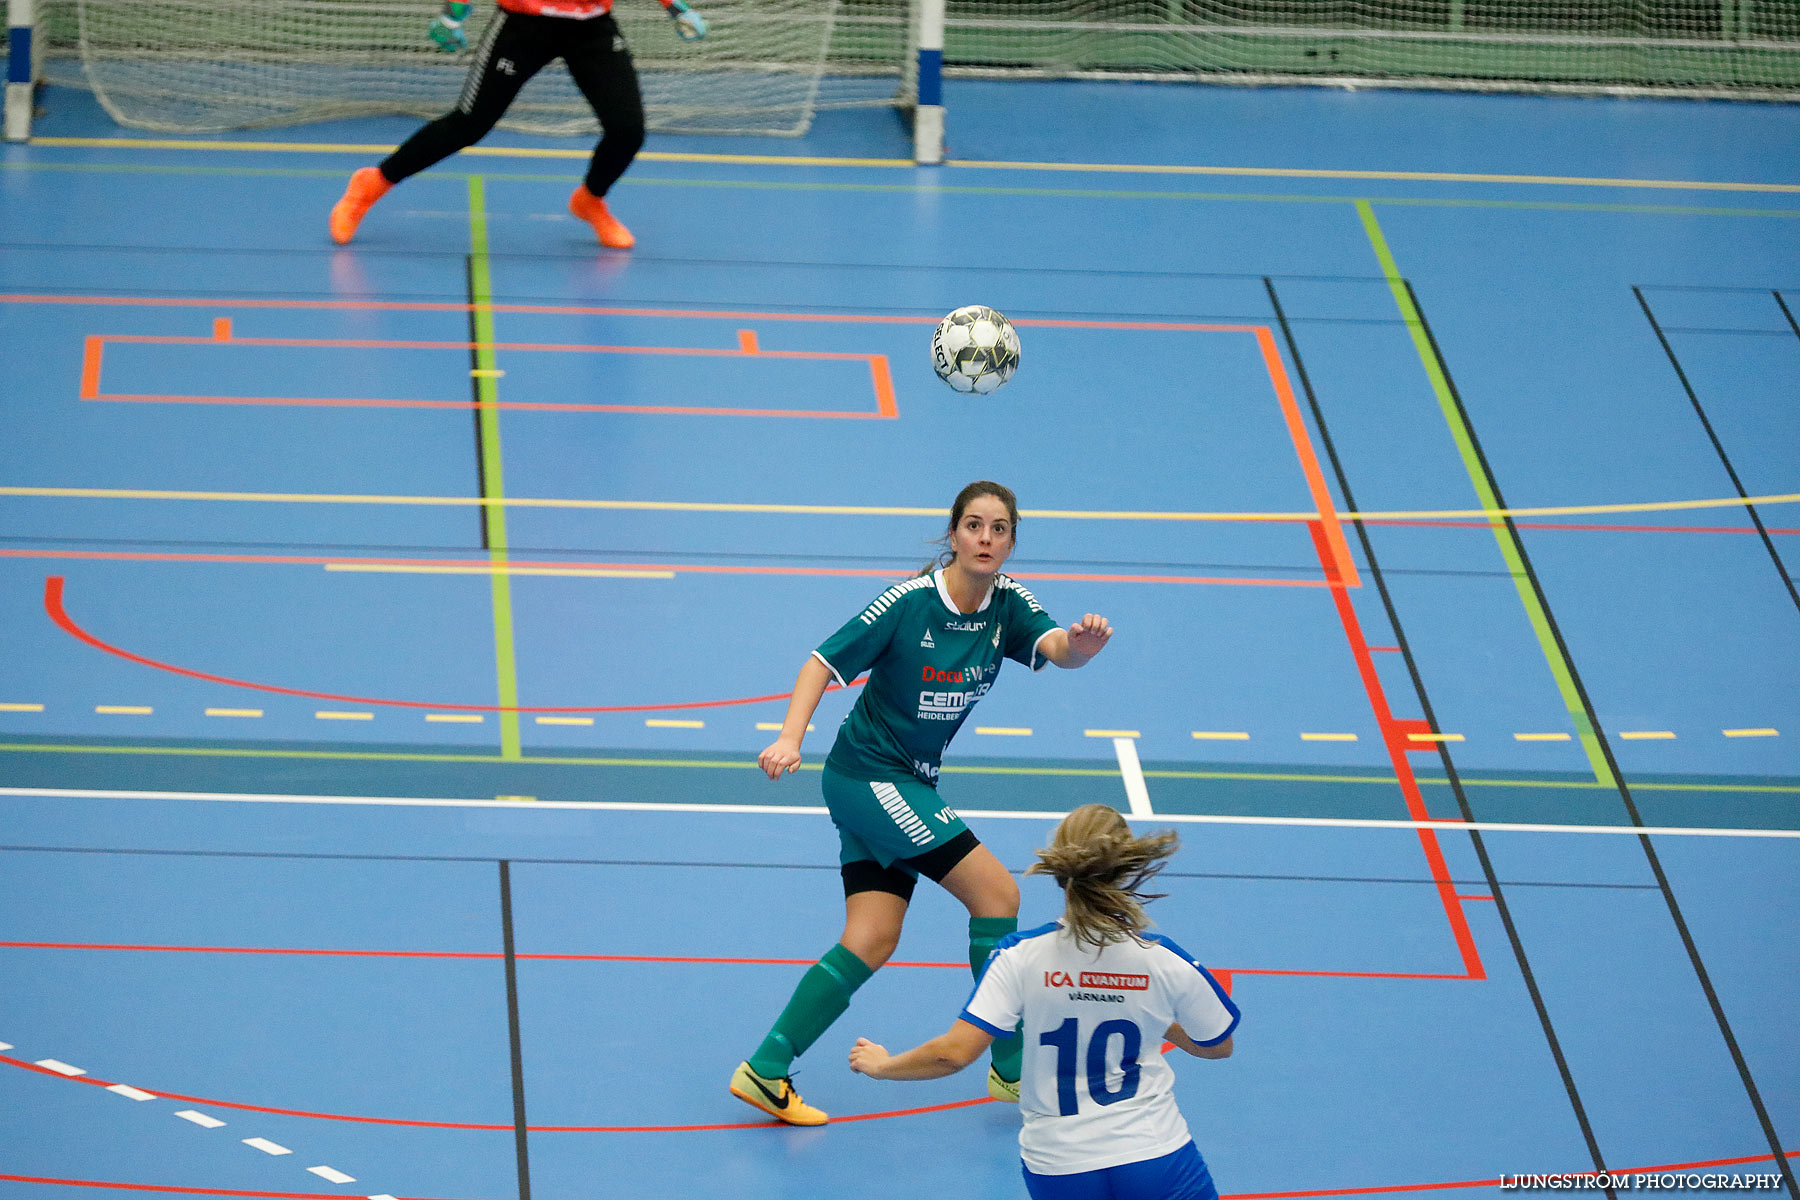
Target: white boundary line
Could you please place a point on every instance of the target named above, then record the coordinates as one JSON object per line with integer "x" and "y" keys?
{"x": 1136, "y": 791}
{"x": 1448, "y": 826}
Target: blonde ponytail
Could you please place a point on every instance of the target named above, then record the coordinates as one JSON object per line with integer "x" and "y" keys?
{"x": 1102, "y": 868}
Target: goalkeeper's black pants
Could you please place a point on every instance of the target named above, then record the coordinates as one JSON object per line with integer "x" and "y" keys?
{"x": 515, "y": 47}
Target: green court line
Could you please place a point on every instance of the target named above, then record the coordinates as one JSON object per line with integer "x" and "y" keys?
{"x": 641, "y": 180}
{"x": 749, "y": 764}
{"x": 1504, "y": 536}
{"x": 493, "y": 485}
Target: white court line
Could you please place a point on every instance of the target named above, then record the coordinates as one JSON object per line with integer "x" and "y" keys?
{"x": 266, "y": 1146}
{"x": 129, "y": 1092}
{"x": 200, "y": 1119}
{"x": 1137, "y": 793}
{"x": 819, "y": 811}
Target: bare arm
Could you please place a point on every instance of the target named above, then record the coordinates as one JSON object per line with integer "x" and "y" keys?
{"x": 1076, "y": 646}
{"x": 783, "y": 755}
{"x": 945, "y": 1054}
{"x": 1179, "y": 1036}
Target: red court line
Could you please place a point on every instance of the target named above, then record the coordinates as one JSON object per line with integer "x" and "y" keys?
{"x": 481, "y": 1127}
{"x": 678, "y": 568}
{"x": 1224, "y": 974}
{"x": 1338, "y": 564}
{"x": 53, "y": 604}
{"x": 886, "y": 408}
{"x": 1394, "y": 739}
{"x": 1388, "y": 1189}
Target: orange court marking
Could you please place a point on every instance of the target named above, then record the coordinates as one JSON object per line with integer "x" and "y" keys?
{"x": 94, "y": 350}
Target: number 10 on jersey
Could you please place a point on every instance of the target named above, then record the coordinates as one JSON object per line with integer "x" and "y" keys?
{"x": 1067, "y": 1041}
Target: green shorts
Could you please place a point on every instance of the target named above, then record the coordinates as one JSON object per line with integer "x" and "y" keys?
{"x": 887, "y": 821}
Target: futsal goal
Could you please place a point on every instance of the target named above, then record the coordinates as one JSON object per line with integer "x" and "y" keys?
{"x": 769, "y": 66}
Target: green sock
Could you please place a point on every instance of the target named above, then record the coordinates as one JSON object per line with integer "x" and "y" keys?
{"x": 984, "y": 934}
{"x": 822, "y": 996}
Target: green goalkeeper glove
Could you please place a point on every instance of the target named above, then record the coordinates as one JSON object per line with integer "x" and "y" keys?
{"x": 688, "y": 23}
{"x": 447, "y": 28}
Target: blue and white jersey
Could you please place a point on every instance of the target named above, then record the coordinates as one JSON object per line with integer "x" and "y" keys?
{"x": 1096, "y": 1091}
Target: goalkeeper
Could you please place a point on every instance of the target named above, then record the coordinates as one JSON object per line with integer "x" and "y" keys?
{"x": 521, "y": 39}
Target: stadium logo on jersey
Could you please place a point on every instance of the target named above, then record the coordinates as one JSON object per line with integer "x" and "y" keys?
{"x": 965, "y": 626}
{"x": 1116, "y": 983}
{"x": 925, "y": 643}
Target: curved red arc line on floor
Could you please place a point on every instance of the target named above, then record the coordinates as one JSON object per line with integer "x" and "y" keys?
{"x": 1298, "y": 1195}
{"x": 477, "y": 1126}
{"x": 53, "y": 605}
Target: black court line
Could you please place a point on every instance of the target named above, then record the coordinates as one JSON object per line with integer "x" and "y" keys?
{"x": 1719, "y": 448}
{"x": 1600, "y": 738}
{"x": 481, "y": 483}
{"x": 1494, "y": 885}
{"x": 520, "y": 1138}
{"x": 1787, "y": 312}
{"x": 301, "y": 856}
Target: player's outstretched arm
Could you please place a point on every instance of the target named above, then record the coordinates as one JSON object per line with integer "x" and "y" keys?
{"x": 943, "y": 1055}
{"x": 1076, "y": 646}
{"x": 1179, "y": 1036}
{"x": 783, "y": 755}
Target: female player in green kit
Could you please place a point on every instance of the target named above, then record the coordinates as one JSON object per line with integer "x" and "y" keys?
{"x": 932, "y": 646}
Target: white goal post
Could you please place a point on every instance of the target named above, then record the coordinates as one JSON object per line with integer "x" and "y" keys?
{"x": 24, "y": 61}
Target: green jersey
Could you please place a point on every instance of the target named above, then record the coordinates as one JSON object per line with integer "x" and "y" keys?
{"x": 928, "y": 664}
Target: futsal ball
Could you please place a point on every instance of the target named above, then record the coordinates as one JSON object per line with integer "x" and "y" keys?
{"x": 975, "y": 349}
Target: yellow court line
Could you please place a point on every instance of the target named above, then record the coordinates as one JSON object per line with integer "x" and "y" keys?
{"x": 234, "y": 712}
{"x": 1003, "y": 731}
{"x": 1401, "y": 176}
{"x": 1541, "y": 737}
{"x": 1328, "y": 737}
{"x": 564, "y": 720}
{"x": 1435, "y": 737}
{"x": 518, "y": 799}
{"x": 21, "y": 708}
{"x": 786, "y": 160}
{"x": 1647, "y": 735}
{"x": 856, "y": 510}
{"x": 663, "y": 723}
{"x": 124, "y": 710}
{"x": 327, "y": 714}
{"x": 776, "y": 726}
{"x": 1220, "y": 735}
{"x": 1740, "y": 733}
{"x": 1111, "y": 733}
{"x": 456, "y": 718}
{"x": 494, "y": 569}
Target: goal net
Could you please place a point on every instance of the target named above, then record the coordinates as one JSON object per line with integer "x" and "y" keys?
{"x": 194, "y": 66}
{"x": 1738, "y": 48}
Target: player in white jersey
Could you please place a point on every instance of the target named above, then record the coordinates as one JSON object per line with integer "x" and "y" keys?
{"x": 933, "y": 646}
{"x": 1097, "y": 994}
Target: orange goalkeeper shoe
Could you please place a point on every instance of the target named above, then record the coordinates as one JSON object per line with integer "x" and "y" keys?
{"x": 592, "y": 209}
{"x": 367, "y": 186}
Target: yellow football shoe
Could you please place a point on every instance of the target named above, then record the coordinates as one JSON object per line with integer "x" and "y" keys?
{"x": 776, "y": 1097}
{"x": 1001, "y": 1089}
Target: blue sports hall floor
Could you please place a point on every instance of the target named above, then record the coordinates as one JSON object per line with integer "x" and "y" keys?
{"x": 387, "y": 634}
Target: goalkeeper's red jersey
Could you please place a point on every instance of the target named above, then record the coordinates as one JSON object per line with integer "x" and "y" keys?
{"x": 558, "y": 8}
{"x": 577, "y": 9}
